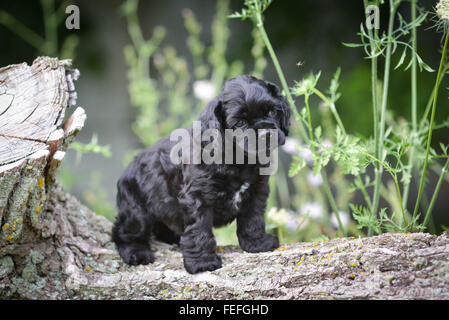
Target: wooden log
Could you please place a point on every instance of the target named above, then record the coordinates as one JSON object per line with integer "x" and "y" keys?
{"x": 81, "y": 262}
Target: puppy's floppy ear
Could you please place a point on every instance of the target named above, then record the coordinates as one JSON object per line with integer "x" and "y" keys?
{"x": 212, "y": 116}
{"x": 273, "y": 89}
{"x": 284, "y": 106}
{"x": 286, "y": 113}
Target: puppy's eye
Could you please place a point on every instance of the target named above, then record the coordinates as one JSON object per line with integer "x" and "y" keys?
{"x": 271, "y": 114}
{"x": 240, "y": 123}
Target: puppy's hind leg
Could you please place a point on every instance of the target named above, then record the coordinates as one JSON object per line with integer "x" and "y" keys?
{"x": 132, "y": 228}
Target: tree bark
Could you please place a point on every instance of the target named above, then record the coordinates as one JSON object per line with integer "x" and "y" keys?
{"x": 53, "y": 247}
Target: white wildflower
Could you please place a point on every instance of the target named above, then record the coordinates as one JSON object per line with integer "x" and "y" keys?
{"x": 294, "y": 147}
{"x": 292, "y": 224}
{"x": 313, "y": 209}
{"x": 291, "y": 146}
{"x": 314, "y": 180}
{"x": 279, "y": 216}
{"x": 344, "y": 217}
{"x": 306, "y": 154}
{"x": 443, "y": 10}
{"x": 327, "y": 143}
{"x": 204, "y": 90}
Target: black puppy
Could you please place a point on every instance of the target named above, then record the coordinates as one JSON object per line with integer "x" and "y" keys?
{"x": 180, "y": 203}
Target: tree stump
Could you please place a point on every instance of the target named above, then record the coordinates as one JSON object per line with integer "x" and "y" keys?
{"x": 33, "y": 100}
{"x": 52, "y": 247}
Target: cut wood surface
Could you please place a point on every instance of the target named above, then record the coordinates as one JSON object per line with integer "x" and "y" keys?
{"x": 53, "y": 247}
{"x": 33, "y": 101}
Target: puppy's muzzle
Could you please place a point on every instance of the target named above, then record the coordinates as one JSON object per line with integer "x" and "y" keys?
{"x": 265, "y": 134}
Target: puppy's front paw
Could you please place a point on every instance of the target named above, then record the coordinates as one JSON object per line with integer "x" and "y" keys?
{"x": 268, "y": 242}
{"x": 135, "y": 255}
{"x": 208, "y": 263}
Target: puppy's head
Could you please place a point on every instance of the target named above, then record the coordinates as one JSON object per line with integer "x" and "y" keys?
{"x": 246, "y": 102}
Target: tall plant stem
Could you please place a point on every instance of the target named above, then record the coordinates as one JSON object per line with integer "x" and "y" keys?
{"x": 332, "y": 107}
{"x": 22, "y": 30}
{"x": 376, "y": 133}
{"x": 414, "y": 104}
{"x": 430, "y": 101}
{"x": 381, "y": 132}
{"x": 309, "y": 119}
{"x": 260, "y": 27}
{"x": 414, "y": 77}
{"x": 137, "y": 39}
{"x": 374, "y": 95}
{"x": 429, "y": 135}
{"x": 327, "y": 189}
{"x": 374, "y": 79}
{"x": 437, "y": 170}
{"x": 436, "y": 192}
{"x": 50, "y": 23}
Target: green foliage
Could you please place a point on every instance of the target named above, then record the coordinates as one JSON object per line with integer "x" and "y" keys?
{"x": 296, "y": 166}
{"x": 306, "y": 86}
{"x": 252, "y": 9}
{"x": 399, "y": 148}
{"x": 163, "y": 96}
{"x": 91, "y": 147}
{"x": 381, "y": 223}
{"x": 348, "y": 152}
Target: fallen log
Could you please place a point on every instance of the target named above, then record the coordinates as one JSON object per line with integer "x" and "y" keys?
{"x": 53, "y": 247}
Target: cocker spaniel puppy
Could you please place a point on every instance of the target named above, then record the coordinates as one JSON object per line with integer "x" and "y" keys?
{"x": 182, "y": 202}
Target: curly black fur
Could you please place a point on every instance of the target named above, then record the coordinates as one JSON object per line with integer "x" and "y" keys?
{"x": 181, "y": 203}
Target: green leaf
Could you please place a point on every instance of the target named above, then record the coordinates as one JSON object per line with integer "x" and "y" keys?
{"x": 296, "y": 166}
{"x": 335, "y": 84}
{"x": 422, "y": 64}
{"x": 444, "y": 148}
{"x": 365, "y": 218}
{"x": 318, "y": 132}
{"x": 235, "y": 15}
{"x": 306, "y": 85}
{"x": 339, "y": 135}
{"x": 353, "y": 45}
{"x": 401, "y": 61}
{"x": 406, "y": 177}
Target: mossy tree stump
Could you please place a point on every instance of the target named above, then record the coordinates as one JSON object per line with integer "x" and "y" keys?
{"x": 52, "y": 247}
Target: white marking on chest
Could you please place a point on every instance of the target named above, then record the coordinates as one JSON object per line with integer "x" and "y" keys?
{"x": 237, "y": 199}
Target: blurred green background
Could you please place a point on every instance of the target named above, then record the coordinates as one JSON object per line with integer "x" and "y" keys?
{"x": 307, "y": 31}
